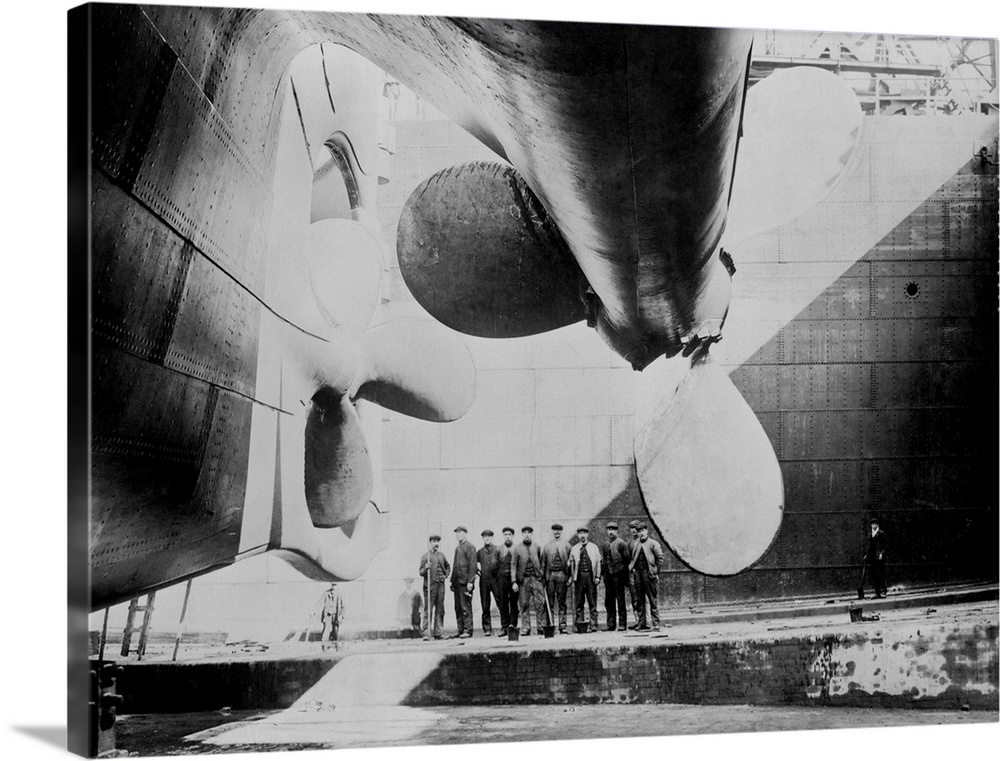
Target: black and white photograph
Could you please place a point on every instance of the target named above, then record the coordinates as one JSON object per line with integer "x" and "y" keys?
{"x": 457, "y": 378}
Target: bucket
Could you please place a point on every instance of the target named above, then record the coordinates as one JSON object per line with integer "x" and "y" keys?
{"x": 855, "y": 611}
{"x": 513, "y": 634}
{"x": 549, "y": 631}
{"x": 583, "y": 628}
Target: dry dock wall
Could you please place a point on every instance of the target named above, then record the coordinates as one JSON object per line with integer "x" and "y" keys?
{"x": 940, "y": 665}
{"x": 946, "y": 666}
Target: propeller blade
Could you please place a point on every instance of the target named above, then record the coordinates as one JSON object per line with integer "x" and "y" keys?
{"x": 345, "y": 270}
{"x": 707, "y": 471}
{"x": 418, "y": 368}
{"x": 338, "y": 470}
{"x": 479, "y": 252}
{"x": 800, "y": 127}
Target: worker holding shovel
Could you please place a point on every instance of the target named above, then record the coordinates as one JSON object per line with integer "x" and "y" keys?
{"x": 434, "y": 570}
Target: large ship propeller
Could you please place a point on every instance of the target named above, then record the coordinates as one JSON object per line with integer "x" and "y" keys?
{"x": 706, "y": 469}
{"x": 479, "y": 253}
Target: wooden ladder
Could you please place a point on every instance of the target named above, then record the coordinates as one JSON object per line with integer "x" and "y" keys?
{"x": 147, "y": 616}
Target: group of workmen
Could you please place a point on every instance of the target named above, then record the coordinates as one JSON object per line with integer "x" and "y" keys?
{"x": 523, "y": 577}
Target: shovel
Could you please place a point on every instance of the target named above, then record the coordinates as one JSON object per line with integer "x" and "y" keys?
{"x": 861, "y": 584}
{"x": 550, "y": 630}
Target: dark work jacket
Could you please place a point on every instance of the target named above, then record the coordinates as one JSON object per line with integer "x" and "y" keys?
{"x": 504, "y": 556}
{"x": 464, "y": 569}
{"x": 593, "y": 553}
{"x": 489, "y": 564}
{"x": 556, "y": 547}
{"x": 653, "y": 552}
{"x": 616, "y": 557}
{"x": 438, "y": 565}
{"x": 877, "y": 546}
{"x": 520, "y": 555}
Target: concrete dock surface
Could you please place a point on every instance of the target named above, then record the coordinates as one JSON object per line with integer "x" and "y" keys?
{"x": 748, "y": 667}
{"x": 803, "y": 616}
{"x": 250, "y": 731}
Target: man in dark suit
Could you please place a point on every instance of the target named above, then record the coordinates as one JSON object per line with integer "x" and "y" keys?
{"x": 616, "y": 559}
{"x": 463, "y": 581}
{"x": 585, "y": 571}
{"x": 508, "y": 600}
{"x": 876, "y": 557}
{"x": 488, "y": 558}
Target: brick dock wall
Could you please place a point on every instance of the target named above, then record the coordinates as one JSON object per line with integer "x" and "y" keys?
{"x": 196, "y": 687}
{"x": 943, "y": 666}
{"x": 932, "y": 665}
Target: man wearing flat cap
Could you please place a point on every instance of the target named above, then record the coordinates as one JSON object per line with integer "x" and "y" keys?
{"x": 555, "y": 573}
{"x": 508, "y": 600}
{"x": 647, "y": 557}
{"x": 488, "y": 558}
{"x": 434, "y": 570}
{"x": 876, "y": 556}
{"x": 526, "y": 575}
{"x": 585, "y": 570}
{"x": 463, "y": 581}
{"x": 615, "y": 559}
{"x": 633, "y": 529}
{"x": 331, "y": 614}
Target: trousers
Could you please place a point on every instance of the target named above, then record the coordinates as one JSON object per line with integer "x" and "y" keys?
{"x": 556, "y": 588}
{"x": 647, "y": 590}
{"x": 878, "y": 577}
{"x": 633, "y": 596}
{"x": 585, "y": 588}
{"x": 485, "y": 590}
{"x": 433, "y": 606}
{"x": 331, "y": 630}
{"x": 463, "y": 610}
{"x": 531, "y": 595}
{"x": 508, "y": 604}
{"x": 615, "y": 585}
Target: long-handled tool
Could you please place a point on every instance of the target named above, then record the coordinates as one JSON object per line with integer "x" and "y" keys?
{"x": 427, "y": 607}
{"x": 550, "y": 630}
{"x": 861, "y": 584}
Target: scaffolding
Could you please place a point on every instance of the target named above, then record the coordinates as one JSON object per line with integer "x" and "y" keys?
{"x": 892, "y": 74}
